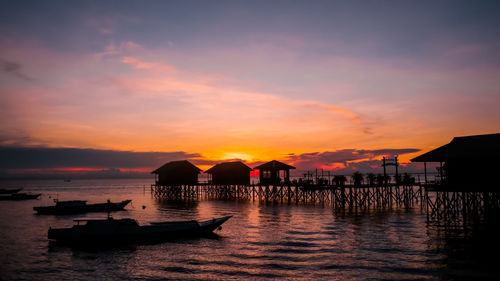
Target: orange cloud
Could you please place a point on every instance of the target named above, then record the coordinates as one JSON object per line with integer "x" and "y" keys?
{"x": 127, "y": 103}
{"x": 197, "y": 89}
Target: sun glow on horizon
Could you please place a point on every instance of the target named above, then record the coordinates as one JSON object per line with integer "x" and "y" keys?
{"x": 238, "y": 155}
{"x": 129, "y": 83}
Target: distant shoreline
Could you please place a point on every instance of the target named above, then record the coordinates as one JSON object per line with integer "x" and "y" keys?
{"x": 81, "y": 177}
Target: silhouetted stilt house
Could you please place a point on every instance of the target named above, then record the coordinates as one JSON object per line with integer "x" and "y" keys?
{"x": 177, "y": 173}
{"x": 229, "y": 173}
{"x": 269, "y": 173}
{"x": 468, "y": 163}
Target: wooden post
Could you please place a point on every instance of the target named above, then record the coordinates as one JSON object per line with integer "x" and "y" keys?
{"x": 425, "y": 173}
{"x": 316, "y": 175}
{"x": 396, "y": 164}
{"x": 296, "y": 194}
{"x": 385, "y": 173}
{"x": 441, "y": 172}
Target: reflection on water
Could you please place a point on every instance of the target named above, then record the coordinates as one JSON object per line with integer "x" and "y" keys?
{"x": 260, "y": 241}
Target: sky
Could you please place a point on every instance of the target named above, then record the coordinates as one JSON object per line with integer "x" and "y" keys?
{"x": 334, "y": 85}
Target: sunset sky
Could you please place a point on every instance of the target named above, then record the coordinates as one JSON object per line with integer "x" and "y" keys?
{"x": 317, "y": 84}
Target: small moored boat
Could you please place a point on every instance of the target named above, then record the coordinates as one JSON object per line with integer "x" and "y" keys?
{"x": 9, "y": 191}
{"x": 19, "y": 196}
{"x": 128, "y": 230}
{"x": 80, "y": 206}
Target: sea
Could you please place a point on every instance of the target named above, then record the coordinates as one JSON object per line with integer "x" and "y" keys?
{"x": 261, "y": 241}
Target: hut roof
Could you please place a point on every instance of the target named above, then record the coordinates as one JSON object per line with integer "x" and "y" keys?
{"x": 436, "y": 155}
{"x": 273, "y": 166}
{"x": 227, "y": 166}
{"x": 184, "y": 164}
{"x": 468, "y": 147}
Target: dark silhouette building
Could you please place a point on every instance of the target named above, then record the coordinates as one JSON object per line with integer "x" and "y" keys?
{"x": 177, "y": 173}
{"x": 269, "y": 173}
{"x": 468, "y": 163}
{"x": 229, "y": 173}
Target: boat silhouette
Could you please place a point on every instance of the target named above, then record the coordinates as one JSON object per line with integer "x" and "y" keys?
{"x": 9, "y": 191}
{"x": 19, "y": 196}
{"x": 80, "y": 206}
{"x": 104, "y": 231}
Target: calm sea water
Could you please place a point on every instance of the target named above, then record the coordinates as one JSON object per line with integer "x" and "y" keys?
{"x": 260, "y": 241}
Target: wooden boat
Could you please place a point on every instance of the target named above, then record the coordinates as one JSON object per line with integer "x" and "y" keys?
{"x": 9, "y": 191}
{"x": 128, "y": 230}
{"x": 19, "y": 196}
{"x": 80, "y": 206}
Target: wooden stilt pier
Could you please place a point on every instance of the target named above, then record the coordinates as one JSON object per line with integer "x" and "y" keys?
{"x": 350, "y": 197}
{"x": 443, "y": 208}
{"x": 460, "y": 208}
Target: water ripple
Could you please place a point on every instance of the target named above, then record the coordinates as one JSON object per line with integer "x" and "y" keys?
{"x": 261, "y": 241}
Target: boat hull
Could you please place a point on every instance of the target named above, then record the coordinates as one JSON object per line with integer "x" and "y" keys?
{"x": 68, "y": 210}
{"x": 82, "y": 235}
{"x": 9, "y": 191}
{"x": 19, "y": 197}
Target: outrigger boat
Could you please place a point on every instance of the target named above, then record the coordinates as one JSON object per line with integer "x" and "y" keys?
{"x": 9, "y": 191}
{"x": 128, "y": 230}
{"x": 80, "y": 206}
{"x": 19, "y": 196}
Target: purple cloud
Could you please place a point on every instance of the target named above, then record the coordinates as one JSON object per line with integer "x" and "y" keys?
{"x": 46, "y": 158}
{"x": 346, "y": 155}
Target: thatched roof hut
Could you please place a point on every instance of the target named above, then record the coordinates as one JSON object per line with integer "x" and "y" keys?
{"x": 177, "y": 173}
{"x": 230, "y": 173}
{"x": 269, "y": 173}
{"x": 467, "y": 163}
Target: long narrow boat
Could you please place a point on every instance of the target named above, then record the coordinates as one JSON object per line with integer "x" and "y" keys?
{"x": 19, "y": 197}
{"x": 79, "y": 207}
{"x": 9, "y": 191}
{"x": 128, "y": 230}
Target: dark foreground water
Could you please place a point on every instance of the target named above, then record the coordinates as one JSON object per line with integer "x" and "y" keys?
{"x": 260, "y": 241}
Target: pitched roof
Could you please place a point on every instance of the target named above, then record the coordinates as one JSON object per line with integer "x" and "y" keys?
{"x": 435, "y": 155}
{"x": 228, "y": 166}
{"x": 274, "y": 165}
{"x": 468, "y": 147}
{"x": 184, "y": 164}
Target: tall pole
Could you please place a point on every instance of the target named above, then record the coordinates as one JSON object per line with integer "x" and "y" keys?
{"x": 385, "y": 174}
{"x": 396, "y": 164}
{"x": 441, "y": 171}
{"x": 425, "y": 172}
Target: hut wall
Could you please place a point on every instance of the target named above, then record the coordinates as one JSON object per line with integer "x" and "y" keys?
{"x": 472, "y": 175}
{"x": 231, "y": 177}
{"x": 178, "y": 177}
{"x": 269, "y": 177}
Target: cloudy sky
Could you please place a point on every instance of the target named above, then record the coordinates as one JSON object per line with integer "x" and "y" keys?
{"x": 324, "y": 84}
